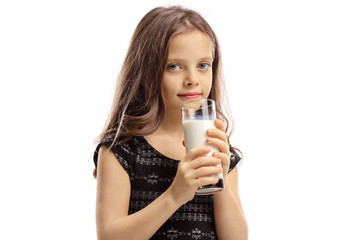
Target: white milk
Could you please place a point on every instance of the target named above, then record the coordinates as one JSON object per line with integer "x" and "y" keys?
{"x": 195, "y": 135}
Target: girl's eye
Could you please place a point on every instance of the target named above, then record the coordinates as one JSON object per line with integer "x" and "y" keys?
{"x": 173, "y": 67}
{"x": 204, "y": 66}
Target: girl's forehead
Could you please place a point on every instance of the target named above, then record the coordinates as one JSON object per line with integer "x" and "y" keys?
{"x": 190, "y": 44}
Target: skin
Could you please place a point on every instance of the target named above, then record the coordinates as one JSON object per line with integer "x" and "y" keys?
{"x": 188, "y": 70}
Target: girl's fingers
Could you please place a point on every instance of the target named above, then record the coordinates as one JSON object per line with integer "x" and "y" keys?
{"x": 218, "y": 133}
{"x": 220, "y": 144}
{"x": 196, "y": 152}
{"x": 206, "y": 172}
{"x": 220, "y": 125}
{"x": 225, "y": 159}
{"x": 221, "y": 156}
{"x": 203, "y": 181}
{"x": 205, "y": 161}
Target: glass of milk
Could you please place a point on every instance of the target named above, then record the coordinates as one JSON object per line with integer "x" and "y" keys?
{"x": 198, "y": 115}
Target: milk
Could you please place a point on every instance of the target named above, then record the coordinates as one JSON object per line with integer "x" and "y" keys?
{"x": 195, "y": 136}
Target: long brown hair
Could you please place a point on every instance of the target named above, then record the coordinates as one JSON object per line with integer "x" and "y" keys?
{"x": 138, "y": 106}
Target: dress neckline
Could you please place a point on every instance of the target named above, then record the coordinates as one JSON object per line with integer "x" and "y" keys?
{"x": 143, "y": 139}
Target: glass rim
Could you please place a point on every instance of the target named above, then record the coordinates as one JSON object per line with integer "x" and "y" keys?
{"x": 200, "y": 99}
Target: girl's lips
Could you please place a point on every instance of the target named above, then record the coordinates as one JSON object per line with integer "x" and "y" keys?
{"x": 190, "y": 95}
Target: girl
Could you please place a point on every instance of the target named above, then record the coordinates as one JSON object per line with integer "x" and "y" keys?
{"x": 146, "y": 182}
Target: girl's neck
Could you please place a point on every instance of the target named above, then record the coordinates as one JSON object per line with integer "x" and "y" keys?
{"x": 169, "y": 133}
{"x": 171, "y": 126}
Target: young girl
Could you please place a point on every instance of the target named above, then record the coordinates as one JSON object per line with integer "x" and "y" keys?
{"x": 146, "y": 182}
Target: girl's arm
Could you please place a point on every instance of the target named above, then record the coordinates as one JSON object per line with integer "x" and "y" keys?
{"x": 113, "y": 196}
{"x": 230, "y": 220}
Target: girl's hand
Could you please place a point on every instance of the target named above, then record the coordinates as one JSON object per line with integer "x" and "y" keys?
{"x": 194, "y": 171}
{"x": 219, "y": 139}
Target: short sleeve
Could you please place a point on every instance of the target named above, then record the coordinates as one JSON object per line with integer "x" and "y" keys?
{"x": 122, "y": 151}
{"x": 235, "y": 158}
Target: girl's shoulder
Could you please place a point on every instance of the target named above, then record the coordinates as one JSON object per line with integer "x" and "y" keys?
{"x": 124, "y": 149}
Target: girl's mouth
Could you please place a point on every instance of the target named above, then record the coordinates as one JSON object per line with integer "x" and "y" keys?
{"x": 190, "y": 95}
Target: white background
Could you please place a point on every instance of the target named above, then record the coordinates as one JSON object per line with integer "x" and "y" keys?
{"x": 292, "y": 70}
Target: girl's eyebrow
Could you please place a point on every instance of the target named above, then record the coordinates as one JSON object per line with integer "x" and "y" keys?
{"x": 175, "y": 60}
{"x": 210, "y": 59}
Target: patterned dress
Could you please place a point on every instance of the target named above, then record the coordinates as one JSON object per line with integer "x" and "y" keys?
{"x": 151, "y": 173}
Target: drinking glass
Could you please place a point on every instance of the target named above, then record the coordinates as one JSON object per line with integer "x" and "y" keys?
{"x": 198, "y": 116}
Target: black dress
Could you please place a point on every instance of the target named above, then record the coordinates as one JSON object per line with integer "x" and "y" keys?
{"x": 151, "y": 173}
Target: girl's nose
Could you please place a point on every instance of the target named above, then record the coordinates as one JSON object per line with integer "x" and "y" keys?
{"x": 191, "y": 79}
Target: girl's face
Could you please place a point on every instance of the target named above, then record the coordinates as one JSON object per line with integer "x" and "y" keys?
{"x": 188, "y": 72}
